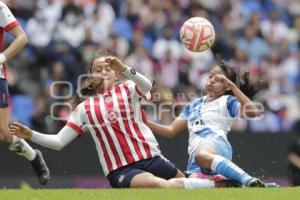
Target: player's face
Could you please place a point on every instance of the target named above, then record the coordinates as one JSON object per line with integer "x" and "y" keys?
{"x": 213, "y": 85}
{"x": 102, "y": 74}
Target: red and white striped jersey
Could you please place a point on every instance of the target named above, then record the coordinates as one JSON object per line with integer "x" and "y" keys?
{"x": 117, "y": 125}
{"x": 7, "y": 22}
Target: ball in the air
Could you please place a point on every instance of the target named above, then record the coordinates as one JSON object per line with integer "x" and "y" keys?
{"x": 197, "y": 34}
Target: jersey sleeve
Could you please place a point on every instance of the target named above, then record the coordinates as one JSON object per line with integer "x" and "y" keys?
{"x": 233, "y": 106}
{"x": 76, "y": 119}
{"x": 7, "y": 19}
{"x": 135, "y": 92}
{"x": 185, "y": 111}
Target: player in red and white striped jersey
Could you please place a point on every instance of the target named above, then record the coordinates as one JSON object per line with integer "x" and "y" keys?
{"x": 127, "y": 148}
{"x": 8, "y": 23}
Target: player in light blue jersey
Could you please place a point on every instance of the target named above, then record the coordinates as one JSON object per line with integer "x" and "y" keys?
{"x": 209, "y": 119}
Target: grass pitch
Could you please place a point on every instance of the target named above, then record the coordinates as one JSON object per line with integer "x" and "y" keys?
{"x": 153, "y": 194}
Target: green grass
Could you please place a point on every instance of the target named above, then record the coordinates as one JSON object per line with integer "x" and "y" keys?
{"x": 155, "y": 194}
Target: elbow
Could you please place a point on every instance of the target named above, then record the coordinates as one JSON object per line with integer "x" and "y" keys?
{"x": 171, "y": 133}
{"x": 23, "y": 39}
{"x": 58, "y": 147}
{"x": 148, "y": 86}
{"x": 252, "y": 111}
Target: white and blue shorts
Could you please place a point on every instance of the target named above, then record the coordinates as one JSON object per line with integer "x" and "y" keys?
{"x": 219, "y": 142}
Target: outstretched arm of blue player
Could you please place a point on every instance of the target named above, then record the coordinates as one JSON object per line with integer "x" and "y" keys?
{"x": 176, "y": 127}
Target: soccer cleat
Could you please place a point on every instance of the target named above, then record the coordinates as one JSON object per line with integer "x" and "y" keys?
{"x": 255, "y": 182}
{"x": 272, "y": 185}
{"x": 227, "y": 183}
{"x": 40, "y": 168}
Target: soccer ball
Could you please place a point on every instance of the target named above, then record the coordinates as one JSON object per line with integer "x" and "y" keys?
{"x": 197, "y": 34}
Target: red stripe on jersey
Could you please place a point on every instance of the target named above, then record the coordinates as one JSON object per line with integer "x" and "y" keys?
{"x": 135, "y": 125}
{"x": 4, "y": 71}
{"x": 13, "y": 24}
{"x": 75, "y": 128}
{"x": 3, "y": 67}
{"x": 126, "y": 122}
{"x": 107, "y": 134}
{"x": 98, "y": 134}
{"x": 120, "y": 135}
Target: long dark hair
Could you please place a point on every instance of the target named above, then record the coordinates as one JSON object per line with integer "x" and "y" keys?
{"x": 86, "y": 88}
{"x": 249, "y": 87}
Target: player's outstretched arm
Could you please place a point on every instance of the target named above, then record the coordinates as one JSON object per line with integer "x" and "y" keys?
{"x": 56, "y": 142}
{"x": 247, "y": 108}
{"x": 177, "y": 126}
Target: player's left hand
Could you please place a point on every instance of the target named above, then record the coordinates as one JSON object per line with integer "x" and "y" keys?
{"x": 229, "y": 84}
{"x": 115, "y": 63}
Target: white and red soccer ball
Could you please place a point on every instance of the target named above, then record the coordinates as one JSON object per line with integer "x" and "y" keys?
{"x": 197, "y": 34}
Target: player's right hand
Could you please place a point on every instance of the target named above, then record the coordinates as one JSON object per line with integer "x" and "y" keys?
{"x": 20, "y": 130}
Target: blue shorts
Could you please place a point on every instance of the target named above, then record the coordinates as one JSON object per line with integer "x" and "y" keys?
{"x": 158, "y": 166}
{"x": 3, "y": 93}
{"x": 220, "y": 143}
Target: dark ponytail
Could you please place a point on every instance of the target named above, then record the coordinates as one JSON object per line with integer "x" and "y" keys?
{"x": 86, "y": 89}
{"x": 249, "y": 87}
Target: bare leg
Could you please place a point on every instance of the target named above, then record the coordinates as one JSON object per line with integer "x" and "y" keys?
{"x": 5, "y": 137}
{"x": 148, "y": 180}
{"x": 207, "y": 157}
{"x": 20, "y": 147}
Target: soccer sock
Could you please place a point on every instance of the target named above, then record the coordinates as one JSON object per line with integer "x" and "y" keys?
{"x": 228, "y": 169}
{"x": 22, "y": 148}
{"x": 193, "y": 183}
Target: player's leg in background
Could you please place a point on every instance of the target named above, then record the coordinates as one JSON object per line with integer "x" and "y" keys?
{"x": 17, "y": 145}
{"x": 208, "y": 157}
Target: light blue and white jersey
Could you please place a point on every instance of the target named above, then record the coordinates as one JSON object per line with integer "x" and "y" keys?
{"x": 209, "y": 118}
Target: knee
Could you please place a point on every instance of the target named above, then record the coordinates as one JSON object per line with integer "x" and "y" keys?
{"x": 204, "y": 158}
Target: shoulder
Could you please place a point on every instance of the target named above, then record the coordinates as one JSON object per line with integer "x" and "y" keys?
{"x": 79, "y": 107}
{"x": 197, "y": 101}
{"x": 230, "y": 98}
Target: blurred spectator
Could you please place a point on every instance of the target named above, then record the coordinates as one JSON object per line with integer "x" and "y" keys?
{"x": 99, "y": 26}
{"x": 254, "y": 46}
{"x": 167, "y": 42}
{"x": 268, "y": 122}
{"x": 169, "y": 67}
{"x": 273, "y": 29}
{"x": 141, "y": 61}
{"x": 39, "y": 31}
{"x": 71, "y": 29}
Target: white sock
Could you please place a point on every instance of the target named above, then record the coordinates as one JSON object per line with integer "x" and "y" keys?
{"x": 193, "y": 183}
{"x": 217, "y": 159}
{"x": 22, "y": 148}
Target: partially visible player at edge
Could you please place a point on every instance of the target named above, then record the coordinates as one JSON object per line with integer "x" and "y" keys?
{"x": 9, "y": 24}
{"x": 208, "y": 120}
{"x": 127, "y": 148}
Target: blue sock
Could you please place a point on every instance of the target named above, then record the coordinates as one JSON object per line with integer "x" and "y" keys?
{"x": 228, "y": 169}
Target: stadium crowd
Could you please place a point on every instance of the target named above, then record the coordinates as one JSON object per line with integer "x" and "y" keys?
{"x": 260, "y": 36}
